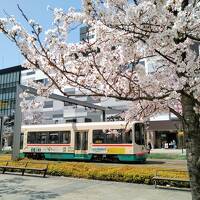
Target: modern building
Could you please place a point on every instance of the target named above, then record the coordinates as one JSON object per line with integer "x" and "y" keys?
{"x": 9, "y": 78}
{"x": 53, "y": 111}
{"x": 86, "y": 33}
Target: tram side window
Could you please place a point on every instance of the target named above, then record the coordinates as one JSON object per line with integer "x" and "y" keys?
{"x": 112, "y": 136}
{"x": 59, "y": 137}
{"x": 65, "y": 137}
{"x": 127, "y": 136}
{"x": 37, "y": 138}
{"x": 31, "y": 138}
{"x": 42, "y": 138}
{"x": 53, "y": 138}
{"x": 99, "y": 137}
{"x": 139, "y": 133}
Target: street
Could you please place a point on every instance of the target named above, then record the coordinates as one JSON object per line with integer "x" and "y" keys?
{"x": 16, "y": 187}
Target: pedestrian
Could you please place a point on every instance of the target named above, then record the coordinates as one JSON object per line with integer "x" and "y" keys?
{"x": 174, "y": 144}
{"x": 149, "y": 146}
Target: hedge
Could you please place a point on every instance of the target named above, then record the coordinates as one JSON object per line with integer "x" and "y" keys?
{"x": 112, "y": 173}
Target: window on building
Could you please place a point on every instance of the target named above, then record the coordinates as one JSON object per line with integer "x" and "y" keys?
{"x": 8, "y": 81}
{"x": 67, "y": 103}
{"x": 43, "y": 81}
{"x": 48, "y": 104}
{"x": 70, "y": 120}
{"x": 70, "y": 91}
{"x": 30, "y": 73}
{"x": 58, "y": 115}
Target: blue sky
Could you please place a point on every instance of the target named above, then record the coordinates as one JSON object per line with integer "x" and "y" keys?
{"x": 34, "y": 9}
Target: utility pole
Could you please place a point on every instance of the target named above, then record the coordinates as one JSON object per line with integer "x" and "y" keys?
{"x": 1, "y": 133}
{"x": 17, "y": 125}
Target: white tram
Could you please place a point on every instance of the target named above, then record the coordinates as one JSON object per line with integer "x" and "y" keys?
{"x": 85, "y": 141}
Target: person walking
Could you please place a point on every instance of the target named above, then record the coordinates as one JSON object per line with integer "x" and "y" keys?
{"x": 149, "y": 146}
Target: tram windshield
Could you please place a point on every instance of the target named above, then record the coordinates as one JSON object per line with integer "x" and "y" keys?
{"x": 139, "y": 133}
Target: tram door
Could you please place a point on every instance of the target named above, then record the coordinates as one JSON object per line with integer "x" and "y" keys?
{"x": 81, "y": 142}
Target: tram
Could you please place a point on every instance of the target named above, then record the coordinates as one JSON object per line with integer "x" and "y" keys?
{"x": 85, "y": 141}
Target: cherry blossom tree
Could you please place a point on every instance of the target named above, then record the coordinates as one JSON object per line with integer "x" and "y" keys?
{"x": 126, "y": 33}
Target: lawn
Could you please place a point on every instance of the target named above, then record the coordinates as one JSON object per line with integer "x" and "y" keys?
{"x": 167, "y": 156}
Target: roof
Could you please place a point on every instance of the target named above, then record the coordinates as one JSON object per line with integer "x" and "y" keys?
{"x": 69, "y": 100}
{"x": 104, "y": 125}
{"x": 11, "y": 69}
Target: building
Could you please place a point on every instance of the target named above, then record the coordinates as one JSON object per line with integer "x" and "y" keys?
{"x": 86, "y": 33}
{"x": 163, "y": 128}
{"x": 53, "y": 111}
{"x": 9, "y": 78}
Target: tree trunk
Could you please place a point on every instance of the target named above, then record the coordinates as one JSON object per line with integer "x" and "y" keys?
{"x": 192, "y": 139}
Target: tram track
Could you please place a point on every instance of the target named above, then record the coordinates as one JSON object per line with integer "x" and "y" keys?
{"x": 161, "y": 163}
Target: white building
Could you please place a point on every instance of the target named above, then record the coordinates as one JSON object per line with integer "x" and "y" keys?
{"x": 53, "y": 111}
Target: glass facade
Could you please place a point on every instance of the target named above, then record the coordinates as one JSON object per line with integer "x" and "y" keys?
{"x": 9, "y": 78}
{"x": 86, "y": 34}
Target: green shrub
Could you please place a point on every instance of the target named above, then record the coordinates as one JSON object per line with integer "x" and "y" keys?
{"x": 142, "y": 175}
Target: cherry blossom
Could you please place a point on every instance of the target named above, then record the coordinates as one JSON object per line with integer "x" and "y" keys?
{"x": 145, "y": 52}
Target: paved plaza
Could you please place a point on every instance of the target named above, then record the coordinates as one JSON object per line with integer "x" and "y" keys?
{"x": 15, "y": 187}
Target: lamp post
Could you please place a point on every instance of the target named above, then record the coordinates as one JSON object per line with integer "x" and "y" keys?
{"x": 17, "y": 125}
{"x": 181, "y": 135}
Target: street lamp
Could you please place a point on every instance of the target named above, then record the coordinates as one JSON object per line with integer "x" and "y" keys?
{"x": 181, "y": 136}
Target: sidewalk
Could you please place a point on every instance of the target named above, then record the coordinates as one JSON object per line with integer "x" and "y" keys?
{"x": 62, "y": 188}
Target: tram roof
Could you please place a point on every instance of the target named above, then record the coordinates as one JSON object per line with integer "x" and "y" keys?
{"x": 77, "y": 125}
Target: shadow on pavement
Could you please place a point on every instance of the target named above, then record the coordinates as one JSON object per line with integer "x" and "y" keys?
{"x": 156, "y": 162}
{"x": 16, "y": 186}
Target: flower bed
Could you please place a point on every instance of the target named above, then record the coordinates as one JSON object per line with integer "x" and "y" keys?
{"x": 131, "y": 174}
{"x": 122, "y": 174}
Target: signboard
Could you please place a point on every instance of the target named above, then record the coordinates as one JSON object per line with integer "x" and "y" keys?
{"x": 180, "y": 133}
{"x": 3, "y": 104}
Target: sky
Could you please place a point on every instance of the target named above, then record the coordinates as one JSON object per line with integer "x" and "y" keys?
{"x": 34, "y": 9}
